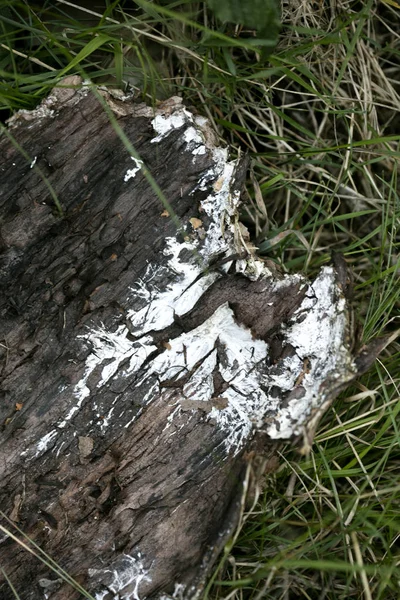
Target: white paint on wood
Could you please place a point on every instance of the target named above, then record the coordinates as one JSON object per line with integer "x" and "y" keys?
{"x": 124, "y": 580}
{"x": 257, "y": 393}
{"x": 194, "y": 141}
{"x": 131, "y": 173}
{"x": 178, "y": 297}
{"x": 317, "y": 333}
{"x": 45, "y": 441}
{"x": 163, "y": 125}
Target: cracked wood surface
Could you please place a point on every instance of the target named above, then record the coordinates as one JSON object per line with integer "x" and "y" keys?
{"x": 137, "y": 362}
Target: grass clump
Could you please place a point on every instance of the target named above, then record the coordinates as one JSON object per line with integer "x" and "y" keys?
{"x": 320, "y": 118}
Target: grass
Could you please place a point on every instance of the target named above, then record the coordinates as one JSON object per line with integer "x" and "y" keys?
{"x": 321, "y": 121}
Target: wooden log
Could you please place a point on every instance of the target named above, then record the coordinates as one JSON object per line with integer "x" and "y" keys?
{"x": 142, "y": 365}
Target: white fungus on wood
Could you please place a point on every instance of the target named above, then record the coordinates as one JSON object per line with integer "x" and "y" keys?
{"x": 275, "y": 398}
{"x": 131, "y": 173}
{"x": 123, "y": 579}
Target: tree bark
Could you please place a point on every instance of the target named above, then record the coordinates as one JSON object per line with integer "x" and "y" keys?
{"x": 141, "y": 365}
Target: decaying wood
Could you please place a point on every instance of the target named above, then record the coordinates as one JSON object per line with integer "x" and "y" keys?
{"x": 141, "y": 364}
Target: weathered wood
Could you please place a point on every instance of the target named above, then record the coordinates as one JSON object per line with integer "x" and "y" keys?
{"x": 139, "y": 365}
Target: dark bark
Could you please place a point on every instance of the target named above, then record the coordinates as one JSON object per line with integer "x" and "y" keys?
{"x": 136, "y": 472}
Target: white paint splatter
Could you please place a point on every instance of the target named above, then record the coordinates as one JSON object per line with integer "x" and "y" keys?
{"x": 178, "y": 297}
{"x": 124, "y": 580}
{"x": 242, "y": 354}
{"x": 110, "y": 347}
{"x": 192, "y": 135}
{"x": 317, "y": 335}
{"x": 130, "y": 174}
{"x": 194, "y": 141}
{"x": 106, "y": 420}
{"x": 255, "y": 391}
{"x": 164, "y": 125}
{"x": 114, "y": 347}
{"x": 44, "y": 442}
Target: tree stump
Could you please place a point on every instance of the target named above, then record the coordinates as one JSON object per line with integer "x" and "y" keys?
{"x": 141, "y": 364}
